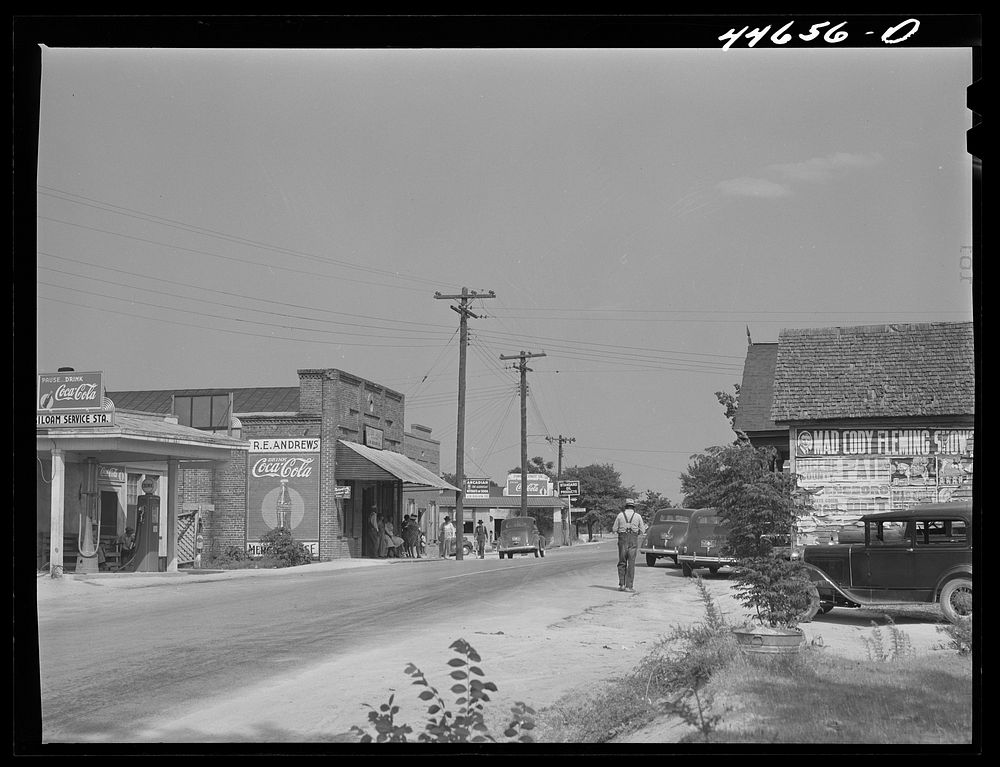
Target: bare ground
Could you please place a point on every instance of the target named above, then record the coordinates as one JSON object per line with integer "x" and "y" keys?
{"x": 547, "y": 657}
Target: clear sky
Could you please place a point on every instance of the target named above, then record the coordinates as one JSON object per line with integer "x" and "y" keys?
{"x": 223, "y": 218}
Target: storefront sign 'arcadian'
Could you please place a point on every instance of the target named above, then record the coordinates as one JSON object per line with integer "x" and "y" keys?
{"x": 283, "y": 490}
{"x": 887, "y": 442}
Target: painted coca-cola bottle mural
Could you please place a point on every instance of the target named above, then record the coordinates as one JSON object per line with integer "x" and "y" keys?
{"x": 283, "y": 508}
{"x": 283, "y": 490}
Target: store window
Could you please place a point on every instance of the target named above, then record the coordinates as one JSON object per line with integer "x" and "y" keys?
{"x": 207, "y": 412}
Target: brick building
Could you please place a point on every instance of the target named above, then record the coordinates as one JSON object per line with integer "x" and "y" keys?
{"x": 318, "y": 459}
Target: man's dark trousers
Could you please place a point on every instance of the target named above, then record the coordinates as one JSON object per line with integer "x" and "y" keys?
{"x": 628, "y": 547}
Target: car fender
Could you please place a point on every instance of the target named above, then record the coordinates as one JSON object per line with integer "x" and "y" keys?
{"x": 819, "y": 577}
{"x": 958, "y": 571}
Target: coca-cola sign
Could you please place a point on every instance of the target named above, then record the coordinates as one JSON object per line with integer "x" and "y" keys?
{"x": 283, "y": 475}
{"x": 69, "y": 391}
{"x": 282, "y": 466}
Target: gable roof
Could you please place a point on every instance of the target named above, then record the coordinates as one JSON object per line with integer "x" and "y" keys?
{"x": 757, "y": 390}
{"x": 258, "y": 399}
{"x": 919, "y": 369}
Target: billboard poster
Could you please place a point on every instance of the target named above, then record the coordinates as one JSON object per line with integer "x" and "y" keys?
{"x": 283, "y": 490}
{"x": 883, "y": 442}
{"x": 538, "y": 484}
{"x": 875, "y": 484}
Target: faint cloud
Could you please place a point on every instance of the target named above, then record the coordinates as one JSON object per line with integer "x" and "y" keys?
{"x": 753, "y": 187}
{"x": 815, "y": 171}
{"x": 820, "y": 169}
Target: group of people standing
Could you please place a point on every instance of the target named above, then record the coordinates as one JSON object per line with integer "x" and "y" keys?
{"x": 385, "y": 543}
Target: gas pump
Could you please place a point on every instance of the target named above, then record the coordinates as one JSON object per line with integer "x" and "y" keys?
{"x": 87, "y": 543}
{"x": 147, "y": 533}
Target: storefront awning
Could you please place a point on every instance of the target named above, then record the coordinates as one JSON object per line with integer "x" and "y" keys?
{"x": 408, "y": 471}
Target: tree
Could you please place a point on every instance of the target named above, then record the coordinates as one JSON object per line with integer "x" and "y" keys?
{"x": 731, "y": 403}
{"x": 739, "y": 481}
{"x": 653, "y": 502}
{"x": 537, "y": 465}
{"x": 755, "y": 501}
{"x": 601, "y": 493}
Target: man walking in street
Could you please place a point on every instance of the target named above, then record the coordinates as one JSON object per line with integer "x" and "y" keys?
{"x": 629, "y": 526}
{"x": 481, "y": 537}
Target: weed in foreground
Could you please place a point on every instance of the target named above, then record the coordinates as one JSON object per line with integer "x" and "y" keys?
{"x": 685, "y": 661}
{"x": 444, "y": 726}
{"x": 898, "y": 646}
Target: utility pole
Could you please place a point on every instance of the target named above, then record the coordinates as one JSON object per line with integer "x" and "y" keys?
{"x": 523, "y": 367}
{"x": 464, "y": 313}
{"x": 566, "y": 512}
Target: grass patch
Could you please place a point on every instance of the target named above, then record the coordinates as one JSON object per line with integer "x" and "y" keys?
{"x": 814, "y": 698}
{"x": 716, "y": 694}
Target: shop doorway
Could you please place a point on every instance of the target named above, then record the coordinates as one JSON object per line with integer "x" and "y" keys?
{"x": 109, "y": 514}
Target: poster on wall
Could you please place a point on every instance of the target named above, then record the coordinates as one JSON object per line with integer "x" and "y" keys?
{"x": 283, "y": 490}
{"x": 861, "y": 471}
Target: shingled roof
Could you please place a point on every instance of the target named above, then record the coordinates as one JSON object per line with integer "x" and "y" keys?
{"x": 874, "y": 371}
{"x": 757, "y": 390}
{"x": 259, "y": 399}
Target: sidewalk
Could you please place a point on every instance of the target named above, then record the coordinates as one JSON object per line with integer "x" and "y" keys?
{"x": 46, "y": 585}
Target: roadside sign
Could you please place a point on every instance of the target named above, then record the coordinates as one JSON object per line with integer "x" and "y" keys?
{"x": 569, "y": 488}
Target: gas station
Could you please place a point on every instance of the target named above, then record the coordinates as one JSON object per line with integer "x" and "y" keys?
{"x": 102, "y": 470}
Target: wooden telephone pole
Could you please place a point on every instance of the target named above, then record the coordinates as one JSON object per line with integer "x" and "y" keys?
{"x": 566, "y": 512}
{"x": 464, "y": 313}
{"x": 523, "y": 367}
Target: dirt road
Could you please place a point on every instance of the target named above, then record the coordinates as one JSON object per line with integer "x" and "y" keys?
{"x": 540, "y": 657}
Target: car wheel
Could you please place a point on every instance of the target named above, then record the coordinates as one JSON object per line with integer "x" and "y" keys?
{"x": 650, "y": 560}
{"x": 686, "y": 570}
{"x": 825, "y": 607}
{"x": 956, "y": 599}
{"x": 714, "y": 570}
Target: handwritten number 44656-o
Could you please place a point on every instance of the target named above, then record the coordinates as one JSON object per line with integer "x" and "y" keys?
{"x": 832, "y": 35}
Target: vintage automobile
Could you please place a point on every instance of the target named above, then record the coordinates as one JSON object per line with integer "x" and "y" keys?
{"x": 705, "y": 544}
{"x": 665, "y": 535}
{"x": 519, "y": 535}
{"x": 922, "y": 554}
{"x": 468, "y": 546}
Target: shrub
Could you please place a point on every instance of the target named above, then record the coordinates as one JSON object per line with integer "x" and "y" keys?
{"x": 959, "y": 635}
{"x": 777, "y": 590}
{"x": 278, "y": 545}
{"x": 230, "y": 554}
{"x": 444, "y": 726}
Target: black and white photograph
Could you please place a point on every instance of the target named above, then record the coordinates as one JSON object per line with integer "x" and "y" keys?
{"x": 498, "y": 385}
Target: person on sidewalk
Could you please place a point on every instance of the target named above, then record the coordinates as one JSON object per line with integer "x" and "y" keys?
{"x": 629, "y": 526}
{"x": 482, "y": 536}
